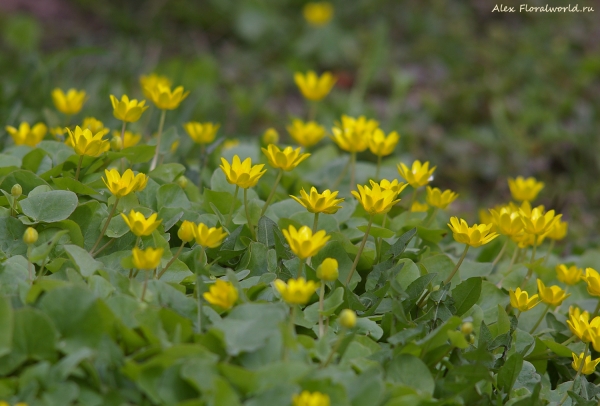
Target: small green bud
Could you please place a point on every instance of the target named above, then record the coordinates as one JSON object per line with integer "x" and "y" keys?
{"x": 30, "y": 236}
{"x": 466, "y": 328}
{"x": 182, "y": 181}
{"x": 116, "y": 143}
{"x": 348, "y": 318}
{"x": 16, "y": 190}
{"x": 471, "y": 339}
{"x": 435, "y": 288}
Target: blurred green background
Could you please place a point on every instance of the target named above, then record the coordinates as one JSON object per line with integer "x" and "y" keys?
{"x": 481, "y": 95}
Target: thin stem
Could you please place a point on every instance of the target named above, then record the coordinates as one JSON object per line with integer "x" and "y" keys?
{"x": 312, "y": 111}
{"x": 42, "y": 270}
{"x": 247, "y": 208}
{"x": 112, "y": 240}
{"x": 378, "y": 167}
{"x": 566, "y": 395}
{"x": 315, "y": 223}
{"x": 380, "y": 240}
{"x": 292, "y": 329}
{"x": 199, "y": 302}
{"x": 161, "y": 273}
{"x": 29, "y": 264}
{"x": 123, "y": 144}
{"x": 145, "y": 285}
{"x": 360, "y": 250}
{"x": 500, "y": 253}
{"x": 341, "y": 176}
{"x": 300, "y": 267}
{"x": 550, "y": 248}
{"x": 413, "y": 198}
{"x": 335, "y": 348}
{"x": 235, "y": 194}
{"x": 569, "y": 340}
{"x": 78, "y": 167}
{"x": 110, "y": 215}
{"x": 160, "y": 128}
{"x": 202, "y": 164}
{"x": 458, "y": 264}
{"x": 537, "y": 324}
{"x": 272, "y": 194}
{"x": 596, "y": 310}
{"x": 534, "y": 250}
{"x": 321, "y": 305}
{"x": 431, "y": 218}
{"x": 352, "y": 170}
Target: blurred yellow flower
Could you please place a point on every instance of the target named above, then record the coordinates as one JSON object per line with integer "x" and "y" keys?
{"x": 94, "y": 125}
{"x": 242, "y": 174}
{"x": 151, "y": 81}
{"x": 525, "y": 240}
{"x": 86, "y": 143}
{"x": 552, "y": 295}
{"x": 296, "y": 291}
{"x": 306, "y": 134}
{"x": 26, "y": 135}
{"x": 579, "y": 323}
{"x": 348, "y": 318}
{"x": 523, "y": 189}
{"x": 312, "y": 86}
{"x": 139, "y": 224}
{"x": 474, "y": 236}
{"x": 303, "y": 242}
{"x": 209, "y": 237}
{"x": 222, "y": 293}
{"x": 353, "y": 134}
{"x": 146, "y": 259}
{"x": 394, "y": 186}
{"x": 328, "y": 270}
{"x": 127, "y": 110}
{"x": 201, "y": 133}
{"x": 316, "y": 202}
{"x": 520, "y": 300}
{"x": 559, "y": 231}
{"x": 187, "y": 231}
{"x": 123, "y": 185}
{"x": 270, "y": 136}
{"x": 418, "y": 175}
{"x": 588, "y": 367}
{"x": 318, "y": 13}
{"x": 439, "y": 199}
{"x": 592, "y": 278}
{"x": 381, "y": 145}
{"x": 287, "y": 159}
{"x": 166, "y": 99}
{"x": 374, "y": 199}
{"x": 68, "y": 103}
{"x": 58, "y": 133}
{"x": 418, "y": 207}
{"x": 131, "y": 139}
{"x": 228, "y": 144}
{"x": 538, "y": 222}
{"x": 569, "y": 275}
{"x": 508, "y": 222}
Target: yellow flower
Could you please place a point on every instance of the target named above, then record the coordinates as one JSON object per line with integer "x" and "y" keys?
{"x": 475, "y": 236}
{"x": 579, "y": 323}
{"x": 525, "y": 240}
{"x": 592, "y": 278}
{"x": 287, "y": 159}
{"x": 303, "y": 242}
{"x": 314, "y": 87}
{"x": 30, "y": 236}
{"x": 151, "y": 81}
{"x": 316, "y": 202}
{"x": 58, "y": 133}
{"x": 328, "y": 270}
{"x": 306, "y": 134}
{"x": 318, "y": 13}
{"x": 209, "y": 237}
{"x": 552, "y": 295}
{"x": 418, "y": 175}
{"x": 394, "y": 186}
{"x": 270, "y": 136}
{"x": 375, "y": 200}
{"x": 86, "y": 143}
{"x": 381, "y": 145}
{"x": 559, "y": 231}
{"x": 538, "y": 222}
{"x": 523, "y": 189}
{"x": 588, "y": 366}
{"x": 348, "y": 318}
{"x": 296, "y": 291}
{"x": 123, "y": 185}
{"x": 201, "y": 133}
{"x": 507, "y": 221}
{"x": 94, "y": 125}
{"x": 166, "y": 99}
{"x": 131, "y": 139}
{"x": 439, "y": 199}
{"x": 146, "y": 259}
{"x": 174, "y": 146}
{"x": 353, "y": 134}
{"x": 418, "y": 207}
{"x": 228, "y": 144}
{"x": 139, "y": 225}
{"x": 242, "y": 174}
{"x": 127, "y": 110}
{"x": 69, "y": 103}
{"x": 570, "y": 275}
{"x": 520, "y": 300}
{"x": 187, "y": 231}
{"x": 222, "y": 293}
{"x": 26, "y": 135}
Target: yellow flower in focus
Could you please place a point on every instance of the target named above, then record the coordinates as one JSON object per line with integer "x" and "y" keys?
{"x": 316, "y": 202}
{"x": 287, "y": 159}
{"x": 131, "y": 139}
{"x": 520, "y": 300}
{"x": 94, "y": 125}
{"x": 579, "y": 323}
{"x": 303, "y": 242}
{"x": 187, "y": 231}
{"x": 570, "y": 275}
{"x": 592, "y": 278}
{"x": 222, "y": 293}
{"x": 314, "y": 87}
{"x": 353, "y": 134}
{"x": 418, "y": 175}
{"x": 201, "y": 133}
{"x": 242, "y": 174}
{"x": 166, "y": 99}
{"x": 552, "y": 295}
{"x": 475, "y": 236}
{"x": 146, "y": 259}
{"x": 139, "y": 224}
{"x": 127, "y": 110}
{"x": 270, "y": 136}
{"x": 306, "y": 134}
{"x": 508, "y": 222}
{"x": 538, "y": 222}
{"x": 381, "y": 145}
{"x": 418, "y": 207}
{"x": 588, "y": 367}
{"x": 318, "y": 13}
{"x": 68, "y": 103}
{"x": 523, "y": 189}
{"x": 439, "y": 199}
{"x": 26, "y": 135}
{"x": 209, "y": 237}
{"x": 151, "y": 81}
{"x": 394, "y": 186}
{"x": 348, "y": 318}
{"x": 375, "y": 200}
{"x": 296, "y": 291}
{"x": 559, "y": 231}
{"x": 123, "y": 185}
{"x": 328, "y": 270}
{"x": 86, "y": 143}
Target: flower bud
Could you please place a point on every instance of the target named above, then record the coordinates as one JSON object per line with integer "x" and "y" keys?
{"x": 116, "y": 143}
{"x": 471, "y": 339}
{"x": 466, "y": 328}
{"x": 271, "y": 136}
{"x": 16, "y": 190}
{"x": 186, "y": 231}
{"x": 328, "y": 270}
{"x": 182, "y": 181}
{"x": 30, "y": 236}
{"x": 435, "y": 288}
{"x": 348, "y": 318}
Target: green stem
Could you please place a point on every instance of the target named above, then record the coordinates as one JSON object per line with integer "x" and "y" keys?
{"x": 378, "y": 168}
{"x": 352, "y": 170}
{"x": 235, "y": 194}
{"x": 431, "y": 218}
{"x": 202, "y": 164}
{"x": 162, "y": 272}
{"x": 550, "y": 248}
{"x": 321, "y": 305}
{"x": 500, "y": 253}
{"x": 341, "y": 176}
{"x": 458, "y": 264}
{"x": 160, "y": 129}
{"x": 315, "y": 223}
{"x": 123, "y": 134}
{"x": 534, "y": 250}
{"x": 99, "y": 250}
{"x": 145, "y": 285}
{"x": 199, "y": 302}
{"x": 272, "y": 194}
{"x": 29, "y": 264}
{"x": 247, "y": 208}
{"x": 312, "y": 111}
{"x": 413, "y": 198}
{"x": 78, "y": 167}
{"x": 292, "y": 329}
{"x": 380, "y": 240}
{"x": 110, "y": 215}
{"x": 360, "y": 250}
{"x": 569, "y": 340}
{"x": 596, "y": 311}
{"x": 566, "y": 395}
{"x": 537, "y": 324}
{"x": 335, "y": 348}
{"x": 300, "y": 267}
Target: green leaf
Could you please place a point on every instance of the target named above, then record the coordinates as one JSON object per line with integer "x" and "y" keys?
{"x": 458, "y": 339}
{"x": 330, "y": 305}
{"x": 409, "y": 370}
{"x": 266, "y": 230}
{"x": 49, "y": 207}
{"x": 377, "y": 232}
{"x": 6, "y": 325}
{"x": 508, "y": 374}
{"x": 167, "y": 173}
{"x": 401, "y": 243}
{"x": 11, "y": 236}
{"x": 27, "y": 179}
{"x": 40, "y": 252}
{"x": 33, "y": 335}
{"x": 466, "y": 294}
{"x": 171, "y": 195}
{"x": 86, "y": 265}
{"x": 74, "y": 186}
